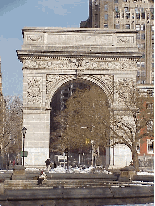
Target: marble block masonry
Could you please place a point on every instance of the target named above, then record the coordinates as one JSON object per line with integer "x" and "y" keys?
{"x": 54, "y": 56}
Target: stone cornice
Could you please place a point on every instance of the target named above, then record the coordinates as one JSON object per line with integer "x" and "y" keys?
{"x": 34, "y": 55}
{"x": 84, "y": 30}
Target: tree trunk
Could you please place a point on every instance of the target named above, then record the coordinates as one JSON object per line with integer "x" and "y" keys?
{"x": 135, "y": 159}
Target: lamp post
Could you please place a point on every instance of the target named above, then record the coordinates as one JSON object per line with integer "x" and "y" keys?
{"x": 66, "y": 152}
{"x": 24, "y": 132}
{"x": 92, "y": 143}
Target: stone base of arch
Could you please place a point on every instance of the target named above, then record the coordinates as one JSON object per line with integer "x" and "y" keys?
{"x": 37, "y": 137}
{"x": 119, "y": 156}
{"x": 53, "y": 56}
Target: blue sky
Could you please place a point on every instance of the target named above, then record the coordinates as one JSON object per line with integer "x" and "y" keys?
{"x": 16, "y": 14}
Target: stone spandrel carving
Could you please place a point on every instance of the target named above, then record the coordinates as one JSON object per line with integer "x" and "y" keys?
{"x": 53, "y": 80}
{"x": 34, "y": 92}
{"x": 125, "y": 89}
{"x": 107, "y": 81}
{"x": 75, "y": 63}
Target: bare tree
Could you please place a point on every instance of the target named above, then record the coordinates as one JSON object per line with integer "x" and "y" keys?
{"x": 13, "y": 120}
{"x": 133, "y": 125}
{"x": 87, "y": 118}
{"x": 82, "y": 120}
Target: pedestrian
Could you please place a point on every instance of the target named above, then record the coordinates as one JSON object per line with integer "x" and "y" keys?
{"x": 14, "y": 162}
{"x": 41, "y": 177}
{"x": 47, "y": 164}
{"x": 8, "y": 165}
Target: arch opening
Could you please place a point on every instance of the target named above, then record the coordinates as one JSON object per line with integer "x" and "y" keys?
{"x": 92, "y": 145}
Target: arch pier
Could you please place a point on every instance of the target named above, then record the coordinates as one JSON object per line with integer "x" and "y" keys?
{"x": 52, "y": 57}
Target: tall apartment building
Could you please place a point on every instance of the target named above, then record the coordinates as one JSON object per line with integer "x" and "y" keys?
{"x": 128, "y": 14}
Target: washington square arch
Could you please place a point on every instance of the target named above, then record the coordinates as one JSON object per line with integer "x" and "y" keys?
{"x": 54, "y": 57}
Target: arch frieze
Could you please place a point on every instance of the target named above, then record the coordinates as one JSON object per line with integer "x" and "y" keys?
{"x": 57, "y": 63}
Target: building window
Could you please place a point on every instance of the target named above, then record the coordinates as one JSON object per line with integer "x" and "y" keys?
{"x": 143, "y": 64}
{"x": 138, "y": 147}
{"x": 137, "y": 27}
{"x": 149, "y": 106}
{"x": 143, "y": 74}
{"x": 133, "y": 16}
{"x": 137, "y": 13}
{"x": 106, "y": 16}
{"x": 127, "y": 15}
{"x": 105, "y": 25}
{"x": 150, "y": 125}
{"x": 96, "y": 3}
{"x": 143, "y": 56}
{"x": 138, "y": 36}
{"x": 150, "y": 146}
{"x": 138, "y": 64}
{"x": 105, "y": 7}
{"x": 143, "y": 46}
{"x": 152, "y": 13}
{"x": 125, "y": 0}
{"x": 152, "y": 28}
{"x": 143, "y": 15}
{"x": 138, "y": 82}
{"x": 117, "y": 14}
{"x": 127, "y": 26}
{"x": 150, "y": 92}
{"x": 138, "y": 73}
{"x": 126, "y": 9}
{"x": 117, "y": 26}
{"x": 142, "y": 36}
{"x": 116, "y": 8}
{"x": 148, "y": 16}
{"x": 152, "y": 36}
{"x": 143, "y": 27}
{"x": 116, "y": 1}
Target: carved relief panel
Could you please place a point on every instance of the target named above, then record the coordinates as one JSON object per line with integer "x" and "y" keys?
{"x": 34, "y": 90}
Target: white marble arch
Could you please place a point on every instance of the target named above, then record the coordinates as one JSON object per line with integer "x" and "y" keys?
{"x": 54, "y": 56}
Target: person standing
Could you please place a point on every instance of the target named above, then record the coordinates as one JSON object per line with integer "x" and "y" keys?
{"x": 14, "y": 162}
{"x": 47, "y": 164}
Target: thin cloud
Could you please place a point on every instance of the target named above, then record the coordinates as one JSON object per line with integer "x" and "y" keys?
{"x": 58, "y": 6}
